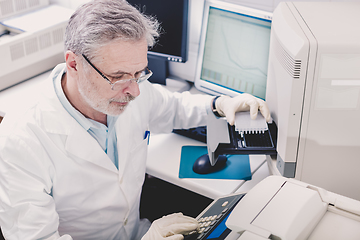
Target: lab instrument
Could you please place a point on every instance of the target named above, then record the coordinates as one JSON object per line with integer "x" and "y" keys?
{"x": 280, "y": 208}
{"x": 313, "y": 93}
{"x": 35, "y": 40}
{"x": 309, "y": 57}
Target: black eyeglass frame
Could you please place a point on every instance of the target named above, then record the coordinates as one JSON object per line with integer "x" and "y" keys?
{"x": 137, "y": 80}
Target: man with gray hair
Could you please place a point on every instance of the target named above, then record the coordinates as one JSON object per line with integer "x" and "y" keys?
{"x": 72, "y": 167}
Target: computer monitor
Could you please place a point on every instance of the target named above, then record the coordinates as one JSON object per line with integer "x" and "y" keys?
{"x": 234, "y": 50}
{"x": 172, "y": 45}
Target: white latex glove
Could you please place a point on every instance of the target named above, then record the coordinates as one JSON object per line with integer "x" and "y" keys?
{"x": 171, "y": 227}
{"x": 227, "y": 106}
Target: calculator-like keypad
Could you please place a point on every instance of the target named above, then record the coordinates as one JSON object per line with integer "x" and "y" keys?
{"x": 213, "y": 216}
{"x": 205, "y": 224}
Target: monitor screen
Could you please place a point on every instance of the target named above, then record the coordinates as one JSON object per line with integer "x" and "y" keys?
{"x": 173, "y": 18}
{"x": 234, "y": 50}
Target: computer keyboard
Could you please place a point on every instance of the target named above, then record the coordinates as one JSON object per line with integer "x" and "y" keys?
{"x": 198, "y": 133}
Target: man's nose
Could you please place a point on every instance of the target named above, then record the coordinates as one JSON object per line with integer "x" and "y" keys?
{"x": 133, "y": 89}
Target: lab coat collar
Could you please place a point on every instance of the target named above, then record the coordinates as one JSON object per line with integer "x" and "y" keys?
{"x": 88, "y": 149}
{"x": 56, "y": 120}
{"x": 81, "y": 119}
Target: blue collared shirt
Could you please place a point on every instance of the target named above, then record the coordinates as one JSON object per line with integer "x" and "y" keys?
{"x": 104, "y": 135}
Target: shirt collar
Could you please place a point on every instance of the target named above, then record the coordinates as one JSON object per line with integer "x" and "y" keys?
{"x": 86, "y": 123}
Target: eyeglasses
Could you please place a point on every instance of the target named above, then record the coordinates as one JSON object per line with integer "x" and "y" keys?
{"x": 117, "y": 85}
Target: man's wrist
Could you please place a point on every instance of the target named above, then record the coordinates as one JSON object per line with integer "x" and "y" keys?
{"x": 213, "y": 107}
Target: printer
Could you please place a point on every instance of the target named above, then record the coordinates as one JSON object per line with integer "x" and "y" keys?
{"x": 281, "y": 208}
{"x": 31, "y": 38}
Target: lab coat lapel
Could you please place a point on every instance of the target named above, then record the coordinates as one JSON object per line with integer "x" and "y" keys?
{"x": 81, "y": 144}
{"x": 123, "y": 135}
{"x": 78, "y": 142}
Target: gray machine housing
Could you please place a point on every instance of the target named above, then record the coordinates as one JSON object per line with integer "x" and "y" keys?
{"x": 313, "y": 92}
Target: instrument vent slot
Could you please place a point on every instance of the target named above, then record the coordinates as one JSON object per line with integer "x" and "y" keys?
{"x": 58, "y": 35}
{"x": 45, "y": 40}
{"x": 20, "y": 5}
{"x": 17, "y": 51}
{"x": 6, "y": 8}
{"x": 31, "y": 46}
{"x": 33, "y": 3}
{"x": 291, "y": 65}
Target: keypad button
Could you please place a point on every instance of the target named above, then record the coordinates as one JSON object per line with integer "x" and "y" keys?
{"x": 200, "y": 236}
{"x": 225, "y": 209}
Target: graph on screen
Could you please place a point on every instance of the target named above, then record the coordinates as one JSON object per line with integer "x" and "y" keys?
{"x": 236, "y": 51}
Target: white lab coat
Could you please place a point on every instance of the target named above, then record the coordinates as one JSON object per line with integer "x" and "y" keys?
{"x": 55, "y": 180}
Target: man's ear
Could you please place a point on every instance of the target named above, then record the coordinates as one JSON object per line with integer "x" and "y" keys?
{"x": 71, "y": 62}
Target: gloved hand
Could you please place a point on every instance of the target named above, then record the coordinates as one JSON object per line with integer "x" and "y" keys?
{"x": 171, "y": 227}
{"x": 227, "y": 106}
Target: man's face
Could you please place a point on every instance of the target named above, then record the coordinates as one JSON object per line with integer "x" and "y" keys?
{"x": 119, "y": 60}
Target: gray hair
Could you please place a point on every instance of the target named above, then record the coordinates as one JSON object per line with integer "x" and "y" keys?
{"x": 99, "y": 22}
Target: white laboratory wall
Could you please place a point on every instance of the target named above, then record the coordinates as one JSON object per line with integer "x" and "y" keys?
{"x": 186, "y": 70}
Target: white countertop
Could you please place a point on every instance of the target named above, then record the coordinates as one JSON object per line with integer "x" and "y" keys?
{"x": 164, "y": 162}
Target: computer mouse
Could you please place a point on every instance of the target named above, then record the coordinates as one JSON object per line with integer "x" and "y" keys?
{"x": 202, "y": 164}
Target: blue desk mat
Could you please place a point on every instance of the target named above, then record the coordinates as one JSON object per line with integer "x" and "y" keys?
{"x": 237, "y": 166}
